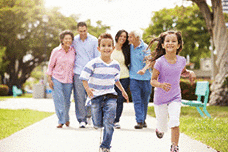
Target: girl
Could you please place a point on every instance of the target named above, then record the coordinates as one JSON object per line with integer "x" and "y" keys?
{"x": 121, "y": 53}
{"x": 167, "y": 69}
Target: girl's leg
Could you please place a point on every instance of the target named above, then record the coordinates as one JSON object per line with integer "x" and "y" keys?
{"x": 161, "y": 112}
{"x": 174, "y": 121}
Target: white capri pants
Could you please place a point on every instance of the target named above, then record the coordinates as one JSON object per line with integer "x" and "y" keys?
{"x": 169, "y": 111}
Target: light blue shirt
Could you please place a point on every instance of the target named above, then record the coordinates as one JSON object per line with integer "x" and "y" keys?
{"x": 137, "y": 61}
{"x": 85, "y": 51}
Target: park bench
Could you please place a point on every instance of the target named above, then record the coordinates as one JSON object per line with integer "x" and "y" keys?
{"x": 202, "y": 90}
{"x": 16, "y": 91}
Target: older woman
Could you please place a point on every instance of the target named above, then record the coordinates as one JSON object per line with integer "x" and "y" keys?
{"x": 122, "y": 55}
{"x": 60, "y": 76}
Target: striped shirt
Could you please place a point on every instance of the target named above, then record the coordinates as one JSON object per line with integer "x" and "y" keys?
{"x": 101, "y": 76}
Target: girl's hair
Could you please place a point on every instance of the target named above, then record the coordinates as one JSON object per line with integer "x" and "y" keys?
{"x": 125, "y": 48}
{"x": 159, "y": 51}
{"x": 64, "y": 33}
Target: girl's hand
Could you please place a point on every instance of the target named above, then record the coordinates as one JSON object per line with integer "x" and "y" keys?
{"x": 141, "y": 72}
{"x": 192, "y": 77}
{"x": 165, "y": 86}
{"x": 90, "y": 92}
{"x": 124, "y": 94}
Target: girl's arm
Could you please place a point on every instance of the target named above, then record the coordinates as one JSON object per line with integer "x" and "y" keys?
{"x": 154, "y": 81}
{"x": 190, "y": 74}
{"x": 118, "y": 84}
{"x": 147, "y": 66}
{"x": 88, "y": 89}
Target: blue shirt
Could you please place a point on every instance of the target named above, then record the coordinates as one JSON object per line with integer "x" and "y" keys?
{"x": 137, "y": 62}
{"x": 85, "y": 51}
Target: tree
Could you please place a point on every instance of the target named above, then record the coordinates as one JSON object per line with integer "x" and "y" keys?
{"x": 215, "y": 22}
{"x": 190, "y": 22}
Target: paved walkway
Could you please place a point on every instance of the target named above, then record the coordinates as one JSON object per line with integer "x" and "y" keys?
{"x": 43, "y": 136}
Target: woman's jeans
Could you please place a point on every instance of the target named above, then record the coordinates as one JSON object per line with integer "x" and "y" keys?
{"x": 119, "y": 109}
{"x": 61, "y": 96}
{"x": 140, "y": 92}
{"x": 103, "y": 114}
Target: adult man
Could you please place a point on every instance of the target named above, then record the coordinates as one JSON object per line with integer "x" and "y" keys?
{"x": 139, "y": 78}
{"x": 86, "y": 49}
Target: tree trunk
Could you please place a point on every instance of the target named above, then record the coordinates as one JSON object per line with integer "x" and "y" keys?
{"x": 216, "y": 24}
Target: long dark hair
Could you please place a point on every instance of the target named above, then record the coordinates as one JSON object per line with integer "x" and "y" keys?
{"x": 125, "y": 48}
{"x": 159, "y": 51}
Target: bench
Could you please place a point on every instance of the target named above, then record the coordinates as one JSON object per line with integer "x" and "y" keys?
{"x": 16, "y": 91}
{"x": 202, "y": 89}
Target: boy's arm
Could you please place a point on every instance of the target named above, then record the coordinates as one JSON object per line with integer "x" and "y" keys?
{"x": 154, "y": 81}
{"x": 88, "y": 89}
{"x": 190, "y": 74}
{"x": 118, "y": 84}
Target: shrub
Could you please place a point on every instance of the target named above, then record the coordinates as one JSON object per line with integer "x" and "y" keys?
{"x": 4, "y": 90}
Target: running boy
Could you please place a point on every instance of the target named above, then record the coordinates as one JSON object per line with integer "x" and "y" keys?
{"x": 168, "y": 68}
{"x": 99, "y": 77}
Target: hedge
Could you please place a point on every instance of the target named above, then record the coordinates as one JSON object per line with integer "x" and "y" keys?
{"x": 4, "y": 90}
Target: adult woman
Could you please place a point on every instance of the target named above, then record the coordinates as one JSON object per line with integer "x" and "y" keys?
{"x": 122, "y": 55}
{"x": 60, "y": 76}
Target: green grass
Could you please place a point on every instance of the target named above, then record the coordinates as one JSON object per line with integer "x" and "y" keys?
{"x": 26, "y": 95}
{"x": 212, "y": 132}
{"x": 15, "y": 120}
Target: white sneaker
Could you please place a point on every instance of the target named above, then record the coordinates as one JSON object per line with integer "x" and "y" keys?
{"x": 117, "y": 125}
{"x": 82, "y": 125}
{"x": 89, "y": 121}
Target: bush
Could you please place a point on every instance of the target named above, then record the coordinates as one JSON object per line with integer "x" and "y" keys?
{"x": 4, "y": 90}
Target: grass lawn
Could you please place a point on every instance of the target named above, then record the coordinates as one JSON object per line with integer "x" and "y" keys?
{"x": 15, "y": 120}
{"x": 26, "y": 95}
{"x": 212, "y": 132}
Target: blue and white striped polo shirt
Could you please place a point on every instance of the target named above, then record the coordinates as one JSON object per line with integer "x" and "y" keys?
{"x": 101, "y": 76}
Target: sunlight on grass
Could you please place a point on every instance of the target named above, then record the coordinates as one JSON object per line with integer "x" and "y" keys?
{"x": 15, "y": 120}
{"x": 26, "y": 95}
{"x": 212, "y": 132}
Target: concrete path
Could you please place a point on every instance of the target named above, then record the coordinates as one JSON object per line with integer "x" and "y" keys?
{"x": 43, "y": 136}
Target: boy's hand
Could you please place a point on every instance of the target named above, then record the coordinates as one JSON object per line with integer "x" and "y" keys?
{"x": 141, "y": 72}
{"x": 90, "y": 92}
{"x": 124, "y": 94}
{"x": 192, "y": 77}
{"x": 165, "y": 86}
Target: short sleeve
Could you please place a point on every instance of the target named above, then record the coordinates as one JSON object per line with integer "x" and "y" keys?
{"x": 87, "y": 71}
{"x": 157, "y": 65}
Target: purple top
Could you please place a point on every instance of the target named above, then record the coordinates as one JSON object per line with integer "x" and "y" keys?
{"x": 169, "y": 73}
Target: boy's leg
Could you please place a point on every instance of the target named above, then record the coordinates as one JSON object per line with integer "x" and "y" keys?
{"x": 174, "y": 121}
{"x": 79, "y": 98}
{"x": 96, "y": 111}
{"x": 59, "y": 100}
{"x": 67, "y": 90}
{"x": 137, "y": 100}
{"x": 146, "y": 91}
{"x": 109, "y": 110}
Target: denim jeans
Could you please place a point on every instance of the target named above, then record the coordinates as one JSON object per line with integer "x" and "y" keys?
{"x": 140, "y": 92}
{"x": 119, "y": 109}
{"x": 61, "y": 96}
{"x": 103, "y": 115}
{"x": 81, "y": 111}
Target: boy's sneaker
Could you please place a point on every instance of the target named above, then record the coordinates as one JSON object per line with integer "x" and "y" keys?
{"x": 139, "y": 126}
{"x": 117, "y": 125}
{"x": 105, "y": 150}
{"x": 174, "y": 148}
{"x": 82, "y": 125}
{"x": 159, "y": 134}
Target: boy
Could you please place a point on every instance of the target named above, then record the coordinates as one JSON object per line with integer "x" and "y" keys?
{"x": 99, "y": 77}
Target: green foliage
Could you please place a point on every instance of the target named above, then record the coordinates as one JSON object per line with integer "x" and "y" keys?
{"x": 190, "y": 22}
{"x": 15, "y": 120}
{"x": 212, "y": 132}
{"x": 4, "y": 90}
{"x": 98, "y": 29}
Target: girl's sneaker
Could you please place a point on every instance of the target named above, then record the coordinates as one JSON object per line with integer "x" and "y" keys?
{"x": 159, "y": 134}
{"x": 105, "y": 150}
{"x": 174, "y": 148}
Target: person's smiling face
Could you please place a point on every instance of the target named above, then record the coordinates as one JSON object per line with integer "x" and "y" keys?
{"x": 106, "y": 47}
{"x": 122, "y": 39}
{"x": 67, "y": 40}
{"x": 171, "y": 43}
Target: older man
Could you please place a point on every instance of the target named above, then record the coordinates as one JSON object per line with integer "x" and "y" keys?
{"x": 139, "y": 78}
{"x": 86, "y": 50}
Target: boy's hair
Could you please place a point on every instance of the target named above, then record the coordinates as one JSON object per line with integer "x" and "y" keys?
{"x": 159, "y": 50}
{"x": 105, "y": 36}
{"x": 81, "y": 24}
{"x": 64, "y": 33}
